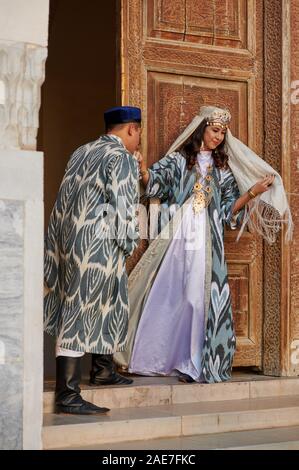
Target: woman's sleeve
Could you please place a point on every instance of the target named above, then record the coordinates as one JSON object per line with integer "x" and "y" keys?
{"x": 164, "y": 176}
{"x": 229, "y": 194}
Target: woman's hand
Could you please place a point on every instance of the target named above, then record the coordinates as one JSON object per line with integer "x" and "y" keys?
{"x": 139, "y": 159}
{"x": 259, "y": 187}
{"x": 263, "y": 185}
{"x": 144, "y": 174}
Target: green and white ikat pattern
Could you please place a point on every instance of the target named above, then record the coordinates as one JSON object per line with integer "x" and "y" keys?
{"x": 93, "y": 228}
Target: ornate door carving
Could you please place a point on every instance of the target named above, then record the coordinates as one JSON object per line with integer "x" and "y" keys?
{"x": 176, "y": 56}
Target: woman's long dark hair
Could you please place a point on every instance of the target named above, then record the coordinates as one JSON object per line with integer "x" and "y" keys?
{"x": 191, "y": 147}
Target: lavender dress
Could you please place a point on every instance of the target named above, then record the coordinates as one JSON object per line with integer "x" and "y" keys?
{"x": 171, "y": 331}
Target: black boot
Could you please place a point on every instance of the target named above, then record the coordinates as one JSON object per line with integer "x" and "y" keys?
{"x": 103, "y": 371}
{"x": 67, "y": 393}
{"x": 186, "y": 378}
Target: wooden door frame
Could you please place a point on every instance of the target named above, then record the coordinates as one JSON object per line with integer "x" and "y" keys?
{"x": 277, "y": 33}
{"x": 276, "y": 315}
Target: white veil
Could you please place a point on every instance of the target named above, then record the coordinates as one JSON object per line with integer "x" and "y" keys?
{"x": 268, "y": 211}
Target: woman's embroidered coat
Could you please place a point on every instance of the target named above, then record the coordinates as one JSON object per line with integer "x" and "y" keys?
{"x": 172, "y": 183}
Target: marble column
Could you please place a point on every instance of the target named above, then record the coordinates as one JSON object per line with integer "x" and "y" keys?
{"x": 21, "y": 287}
{"x": 11, "y": 320}
{"x": 22, "y": 66}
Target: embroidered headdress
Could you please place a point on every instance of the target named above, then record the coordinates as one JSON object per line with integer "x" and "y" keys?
{"x": 219, "y": 117}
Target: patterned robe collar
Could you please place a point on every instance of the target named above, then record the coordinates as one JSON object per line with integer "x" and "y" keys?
{"x": 114, "y": 138}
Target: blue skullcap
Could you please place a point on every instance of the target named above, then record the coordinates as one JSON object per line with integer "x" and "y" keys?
{"x": 122, "y": 114}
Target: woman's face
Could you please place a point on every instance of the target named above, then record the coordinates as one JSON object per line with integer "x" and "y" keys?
{"x": 213, "y": 136}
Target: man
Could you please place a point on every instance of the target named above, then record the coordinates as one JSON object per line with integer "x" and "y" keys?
{"x": 93, "y": 228}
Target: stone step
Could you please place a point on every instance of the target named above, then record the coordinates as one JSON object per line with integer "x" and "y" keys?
{"x": 156, "y": 422}
{"x": 156, "y": 391}
{"x": 261, "y": 439}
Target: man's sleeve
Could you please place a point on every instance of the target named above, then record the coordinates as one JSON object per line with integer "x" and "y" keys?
{"x": 123, "y": 196}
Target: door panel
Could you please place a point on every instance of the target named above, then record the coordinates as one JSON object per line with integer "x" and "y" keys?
{"x": 216, "y": 23}
{"x": 176, "y": 56}
{"x": 178, "y": 97}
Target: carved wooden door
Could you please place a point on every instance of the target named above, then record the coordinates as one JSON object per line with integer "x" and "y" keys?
{"x": 176, "y": 56}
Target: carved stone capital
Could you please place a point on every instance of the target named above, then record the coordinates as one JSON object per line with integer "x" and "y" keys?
{"x": 22, "y": 72}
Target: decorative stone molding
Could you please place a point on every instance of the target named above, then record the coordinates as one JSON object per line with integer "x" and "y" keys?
{"x": 22, "y": 72}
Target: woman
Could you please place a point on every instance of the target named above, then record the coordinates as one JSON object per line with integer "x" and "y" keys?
{"x": 180, "y": 285}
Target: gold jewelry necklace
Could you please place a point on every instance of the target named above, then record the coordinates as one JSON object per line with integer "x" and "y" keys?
{"x": 202, "y": 189}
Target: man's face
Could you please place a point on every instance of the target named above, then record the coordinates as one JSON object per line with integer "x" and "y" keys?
{"x": 135, "y": 137}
